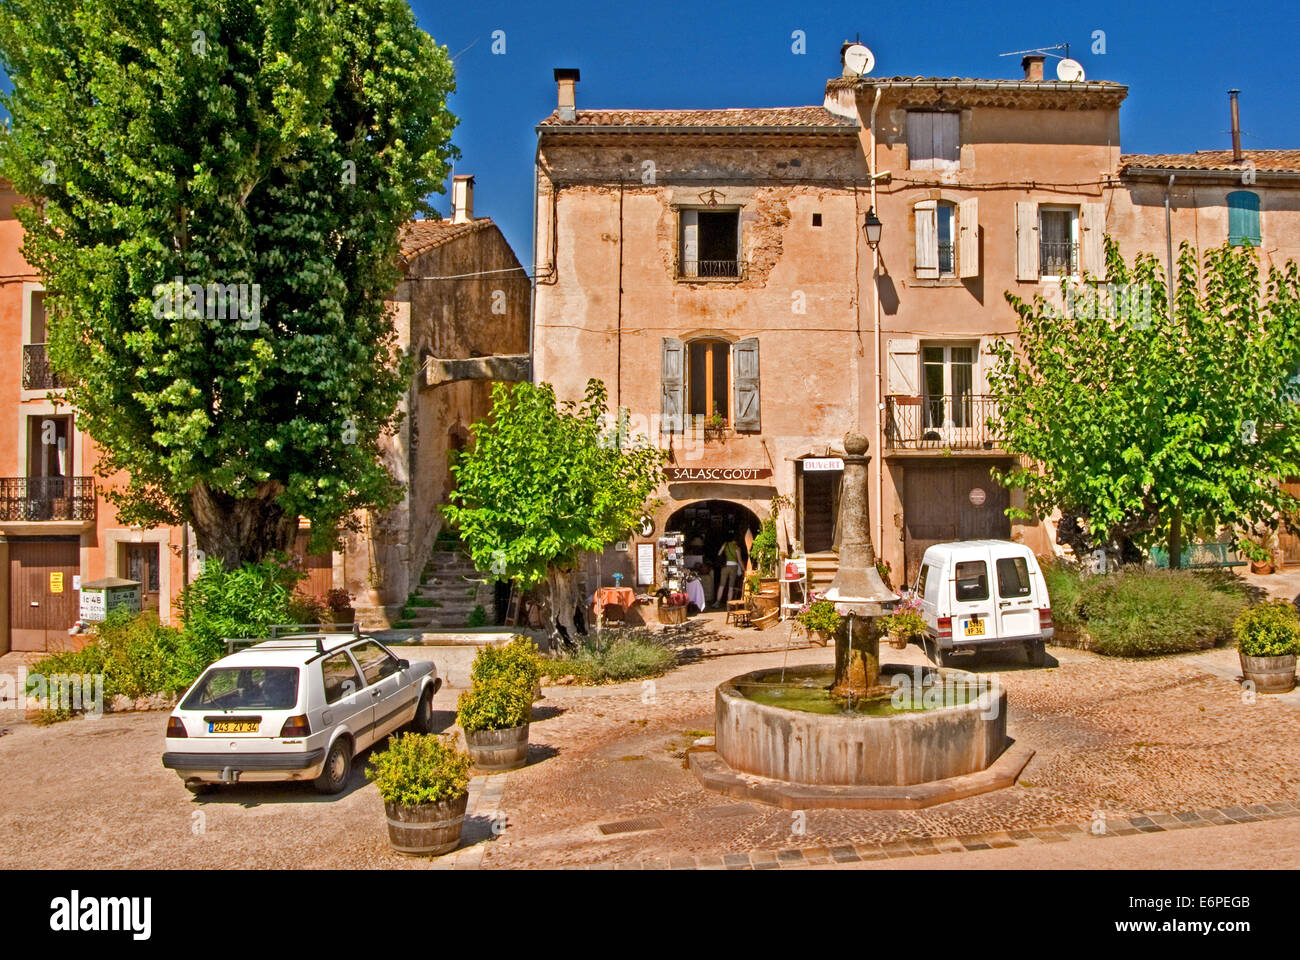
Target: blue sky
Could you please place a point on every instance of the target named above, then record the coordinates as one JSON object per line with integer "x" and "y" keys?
{"x": 1178, "y": 58}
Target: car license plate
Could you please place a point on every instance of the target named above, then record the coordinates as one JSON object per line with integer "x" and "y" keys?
{"x": 234, "y": 726}
{"x": 975, "y": 627}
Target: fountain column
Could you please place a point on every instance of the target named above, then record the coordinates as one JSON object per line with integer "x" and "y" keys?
{"x": 857, "y": 590}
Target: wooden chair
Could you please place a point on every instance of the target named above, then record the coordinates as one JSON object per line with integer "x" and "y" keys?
{"x": 738, "y": 610}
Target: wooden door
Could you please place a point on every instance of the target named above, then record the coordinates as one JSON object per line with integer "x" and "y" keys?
{"x": 319, "y": 568}
{"x": 950, "y": 501}
{"x": 140, "y": 561}
{"x": 42, "y": 602}
{"x": 1288, "y": 533}
{"x": 820, "y": 492}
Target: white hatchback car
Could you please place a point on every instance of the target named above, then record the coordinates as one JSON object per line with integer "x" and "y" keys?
{"x": 295, "y": 708}
{"x": 981, "y": 595}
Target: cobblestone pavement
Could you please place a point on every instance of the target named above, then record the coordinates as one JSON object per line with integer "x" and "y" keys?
{"x": 1117, "y": 741}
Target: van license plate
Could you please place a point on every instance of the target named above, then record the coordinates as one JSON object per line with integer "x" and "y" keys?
{"x": 975, "y": 627}
{"x": 232, "y": 726}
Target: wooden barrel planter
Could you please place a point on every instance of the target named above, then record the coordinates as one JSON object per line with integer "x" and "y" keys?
{"x": 428, "y": 829}
{"x": 670, "y": 614}
{"x": 497, "y": 750}
{"x": 1269, "y": 674}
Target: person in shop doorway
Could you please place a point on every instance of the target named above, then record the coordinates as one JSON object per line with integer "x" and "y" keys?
{"x": 730, "y": 575}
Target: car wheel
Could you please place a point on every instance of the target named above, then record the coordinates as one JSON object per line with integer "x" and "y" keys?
{"x": 424, "y": 714}
{"x": 1036, "y": 653}
{"x": 338, "y": 764}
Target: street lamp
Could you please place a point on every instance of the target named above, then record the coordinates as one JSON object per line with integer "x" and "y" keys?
{"x": 871, "y": 227}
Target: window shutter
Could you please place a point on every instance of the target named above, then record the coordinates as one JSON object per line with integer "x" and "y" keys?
{"x": 1092, "y": 231}
{"x": 968, "y": 233}
{"x": 920, "y": 140}
{"x": 690, "y": 243}
{"x": 672, "y": 376}
{"x": 902, "y": 369}
{"x": 1243, "y": 219}
{"x": 1026, "y": 241}
{"x": 947, "y": 142}
{"x": 927, "y": 240}
{"x": 744, "y": 360}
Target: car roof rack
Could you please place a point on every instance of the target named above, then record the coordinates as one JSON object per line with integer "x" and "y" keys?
{"x": 296, "y": 636}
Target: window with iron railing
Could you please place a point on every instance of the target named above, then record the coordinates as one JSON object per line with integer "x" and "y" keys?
{"x": 38, "y": 374}
{"x": 47, "y": 498}
{"x": 709, "y": 245}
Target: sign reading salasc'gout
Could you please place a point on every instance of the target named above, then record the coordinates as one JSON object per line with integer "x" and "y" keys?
{"x": 715, "y": 474}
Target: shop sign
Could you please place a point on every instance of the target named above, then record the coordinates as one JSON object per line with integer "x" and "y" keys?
{"x": 816, "y": 464}
{"x": 715, "y": 474}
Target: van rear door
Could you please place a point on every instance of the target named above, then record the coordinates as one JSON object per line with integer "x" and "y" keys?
{"x": 972, "y": 598}
{"x": 1017, "y": 609}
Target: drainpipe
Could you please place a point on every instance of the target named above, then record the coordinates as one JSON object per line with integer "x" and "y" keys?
{"x": 875, "y": 307}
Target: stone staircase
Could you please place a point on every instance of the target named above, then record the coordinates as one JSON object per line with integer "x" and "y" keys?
{"x": 822, "y": 568}
{"x": 457, "y": 588}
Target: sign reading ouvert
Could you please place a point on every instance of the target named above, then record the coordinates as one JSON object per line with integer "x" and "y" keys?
{"x": 715, "y": 474}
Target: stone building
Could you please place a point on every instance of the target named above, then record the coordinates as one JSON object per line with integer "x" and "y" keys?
{"x": 714, "y": 268}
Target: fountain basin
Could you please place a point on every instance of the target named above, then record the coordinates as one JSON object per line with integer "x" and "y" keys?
{"x": 907, "y": 757}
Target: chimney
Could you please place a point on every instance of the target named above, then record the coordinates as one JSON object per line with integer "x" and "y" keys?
{"x": 462, "y": 198}
{"x": 1236, "y": 126}
{"x": 566, "y": 79}
{"x": 1033, "y": 64}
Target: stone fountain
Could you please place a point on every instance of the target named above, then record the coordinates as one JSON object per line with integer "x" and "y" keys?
{"x": 858, "y": 734}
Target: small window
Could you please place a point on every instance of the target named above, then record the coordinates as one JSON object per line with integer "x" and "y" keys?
{"x": 341, "y": 677}
{"x": 1058, "y": 241}
{"x": 972, "y": 581}
{"x": 936, "y": 234}
{"x": 36, "y": 332}
{"x": 708, "y": 372}
{"x": 817, "y": 219}
{"x": 933, "y": 140}
{"x": 920, "y": 581}
{"x": 709, "y": 244}
{"x": 1243, "y": 219}
{"x": 375, "y": 662}
{"x": 1013, "y": 577}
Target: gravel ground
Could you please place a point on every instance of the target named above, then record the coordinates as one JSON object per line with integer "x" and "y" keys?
{"x": 1119, "y": 736}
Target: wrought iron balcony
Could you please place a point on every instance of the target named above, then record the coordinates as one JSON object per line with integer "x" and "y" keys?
{"x": 953, "y": 422}
{"x": 37, "y": 372}
{"x": 1058, "y": 258}
{"x": 47, "y": 498}
{"x": 710, "y": 269}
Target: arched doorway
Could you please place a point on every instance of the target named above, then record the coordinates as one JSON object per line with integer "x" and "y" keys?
{"x": 707, "y": 525}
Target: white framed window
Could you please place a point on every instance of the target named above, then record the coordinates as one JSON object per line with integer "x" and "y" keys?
{"x": 708, "y": 244}
{"x": 947, "y": 238}
{"x": 1058, "y": 241}
{"x": 933, "y": 140}
{"x": 948, "y": 385}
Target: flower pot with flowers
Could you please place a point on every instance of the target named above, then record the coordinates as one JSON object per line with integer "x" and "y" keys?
{"x": 905, "y": 623}
{"x": 339, "y": 602}
{"x": 819, "y": 618}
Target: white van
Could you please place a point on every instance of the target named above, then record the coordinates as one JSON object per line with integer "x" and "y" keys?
{"x": 983, "y": 595}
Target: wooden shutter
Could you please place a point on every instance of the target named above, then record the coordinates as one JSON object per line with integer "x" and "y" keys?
{"x": 920, "y": 140}
{"x": 947, "y": 142}
{"x": 902, "y": 368}
{"x": 1026, "y": 241}
{"x": 968, "y": 238}
{"x": 1092, "y": 231}
{"x": 744, "y": 361}
{"x": 927, "y": 240}
{"x": 1243, "y": 219}
{"x": 690, "y": 243}
{"x": 672, "y": 377}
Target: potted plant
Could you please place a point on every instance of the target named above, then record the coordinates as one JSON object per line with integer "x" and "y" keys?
{"x": 1268, "y": 639}
{"x": 339, "y": 602}
{"x": 423, "y": 780}
{"x": 495, "y": 711}
{"x": 715, "y": 427}
{"x": 905, "y": 622}
{"x": 819, "y": 618}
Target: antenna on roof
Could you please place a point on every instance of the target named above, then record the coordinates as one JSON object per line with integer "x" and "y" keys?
{"x": 1045, "y": 51}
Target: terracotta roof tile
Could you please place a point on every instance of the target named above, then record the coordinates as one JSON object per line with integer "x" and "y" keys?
{"x": 421, "y": 236}
{"x": 1282, "y": 161}
{"x": 736, "y": 117}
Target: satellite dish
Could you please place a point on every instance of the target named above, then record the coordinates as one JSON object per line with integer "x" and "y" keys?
{"x": 1069, "y": 70}
{"x": 858, "y": 60}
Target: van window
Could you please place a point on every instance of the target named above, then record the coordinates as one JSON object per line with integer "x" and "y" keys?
{"x": 1013, "y": 577}
{"x": 972, "y": 578}
{"x": 920, "y": 581}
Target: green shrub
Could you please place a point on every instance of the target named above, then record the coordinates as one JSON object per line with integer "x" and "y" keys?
{"x": 134, "y": 652}
{"x": 498, "y": 703}
{"x": 1268, "y": 630}
{"x": 1140, "y": 612}
{"x": 307, "y": 609}
{"x": 1065, "y": 582}
{"x": 516, "y": 661}
{"x": 477, "y": 617}
{"x": 419, "y": 768}
{"x": 244, "y": 602}
{"x": 627, "y": 657}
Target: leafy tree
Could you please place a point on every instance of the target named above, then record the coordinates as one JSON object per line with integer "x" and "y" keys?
{"x": 217, "y": 190}
{"x": 1139, "y": 423}
{"x": 545, "y": 483}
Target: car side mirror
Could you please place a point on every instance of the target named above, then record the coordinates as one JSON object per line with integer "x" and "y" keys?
{"x": 404, "y": 664}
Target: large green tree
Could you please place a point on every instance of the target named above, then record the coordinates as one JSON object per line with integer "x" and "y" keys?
{"x": 1139, "y": 423}
{"x": 545, "y": 483}
{"x": 217, "y": 190}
